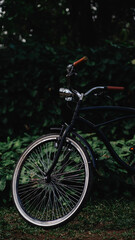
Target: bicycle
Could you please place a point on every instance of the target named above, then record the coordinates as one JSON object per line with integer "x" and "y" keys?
{"x": 53, "y": 177}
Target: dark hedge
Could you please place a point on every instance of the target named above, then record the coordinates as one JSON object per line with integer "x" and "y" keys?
{"x": 31, "y": 75}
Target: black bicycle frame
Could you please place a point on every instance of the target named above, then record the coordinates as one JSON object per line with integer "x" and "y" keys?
{"x": 96, "y": 128}
{"x": 67, "y": 129}
{"x": 63, "y": 133}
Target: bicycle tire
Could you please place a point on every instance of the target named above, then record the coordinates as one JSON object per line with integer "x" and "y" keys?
{"x": 58, "y": 201}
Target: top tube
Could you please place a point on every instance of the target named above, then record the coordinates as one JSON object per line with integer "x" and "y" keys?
{"x": 116, "y": 108}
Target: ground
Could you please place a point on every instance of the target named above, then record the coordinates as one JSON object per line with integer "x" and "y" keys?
{"x": 99, "y": 220}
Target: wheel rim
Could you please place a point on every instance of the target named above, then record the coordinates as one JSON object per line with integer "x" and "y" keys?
{"x": 54, "y": 201}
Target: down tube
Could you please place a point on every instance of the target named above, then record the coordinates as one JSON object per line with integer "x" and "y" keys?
{"x": 105, "y": 140}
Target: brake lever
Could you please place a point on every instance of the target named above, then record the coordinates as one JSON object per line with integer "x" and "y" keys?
{"x": 70, "y": 71}
{"x": 103, "y": 94}
{"x": 98, "y": 94}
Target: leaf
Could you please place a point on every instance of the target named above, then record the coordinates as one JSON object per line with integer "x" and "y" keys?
{"x": 2, "y": 183}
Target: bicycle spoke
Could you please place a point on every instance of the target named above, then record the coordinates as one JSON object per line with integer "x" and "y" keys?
{"x": 57, "y": 198}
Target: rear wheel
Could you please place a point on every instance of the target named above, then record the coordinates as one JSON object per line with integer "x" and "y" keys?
{"x": 54, "y": 201}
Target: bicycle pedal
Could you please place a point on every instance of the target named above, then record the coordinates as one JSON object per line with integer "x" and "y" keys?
{"x": 132, "y": 149}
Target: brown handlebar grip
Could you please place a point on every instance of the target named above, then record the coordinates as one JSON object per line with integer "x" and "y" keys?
{"x": 115, "y": 88}
{"x": 80, "y": 60}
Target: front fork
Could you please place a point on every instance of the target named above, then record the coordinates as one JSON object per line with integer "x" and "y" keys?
{"x": 62, "y": 136}
{"x": 65, "y": 130}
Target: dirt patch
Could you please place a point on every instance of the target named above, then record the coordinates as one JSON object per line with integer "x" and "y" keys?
{"x": 96, "y": 223}
{"x": 106, "y": 235}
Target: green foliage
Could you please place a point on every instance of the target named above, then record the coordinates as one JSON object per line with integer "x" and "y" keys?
{"x": 110, "y": 178}
{"x": 29, "y": 93}
{"x": 10, "y": 152}
{"x": 70, "y": 23}
{"x": 29, "y": 89}
{"x": 122, "y": 148}
{"x": 40, "y": 38}
{"x": 109, "y": 171}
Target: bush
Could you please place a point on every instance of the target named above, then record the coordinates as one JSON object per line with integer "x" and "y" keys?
{"x": 32, "y": 73}
{"x": 30, "y": 77}
{"x": 110, "y": 174}
{"x": 10, "y": 152}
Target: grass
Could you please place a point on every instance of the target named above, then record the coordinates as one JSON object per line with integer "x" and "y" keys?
{"x": 106, "y": 220}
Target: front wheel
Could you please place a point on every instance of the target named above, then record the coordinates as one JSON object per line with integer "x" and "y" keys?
{"x": 50, "y": 203}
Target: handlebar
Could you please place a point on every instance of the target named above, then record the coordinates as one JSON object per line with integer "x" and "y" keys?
{"x": 83, "y": 59}
{"x": 115, "y": 88}
{"x": 68, "y": 94}
{"x": 71, "y": 72}
{"x": 104, "y": 88}
{"x": 71, "y": 67}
